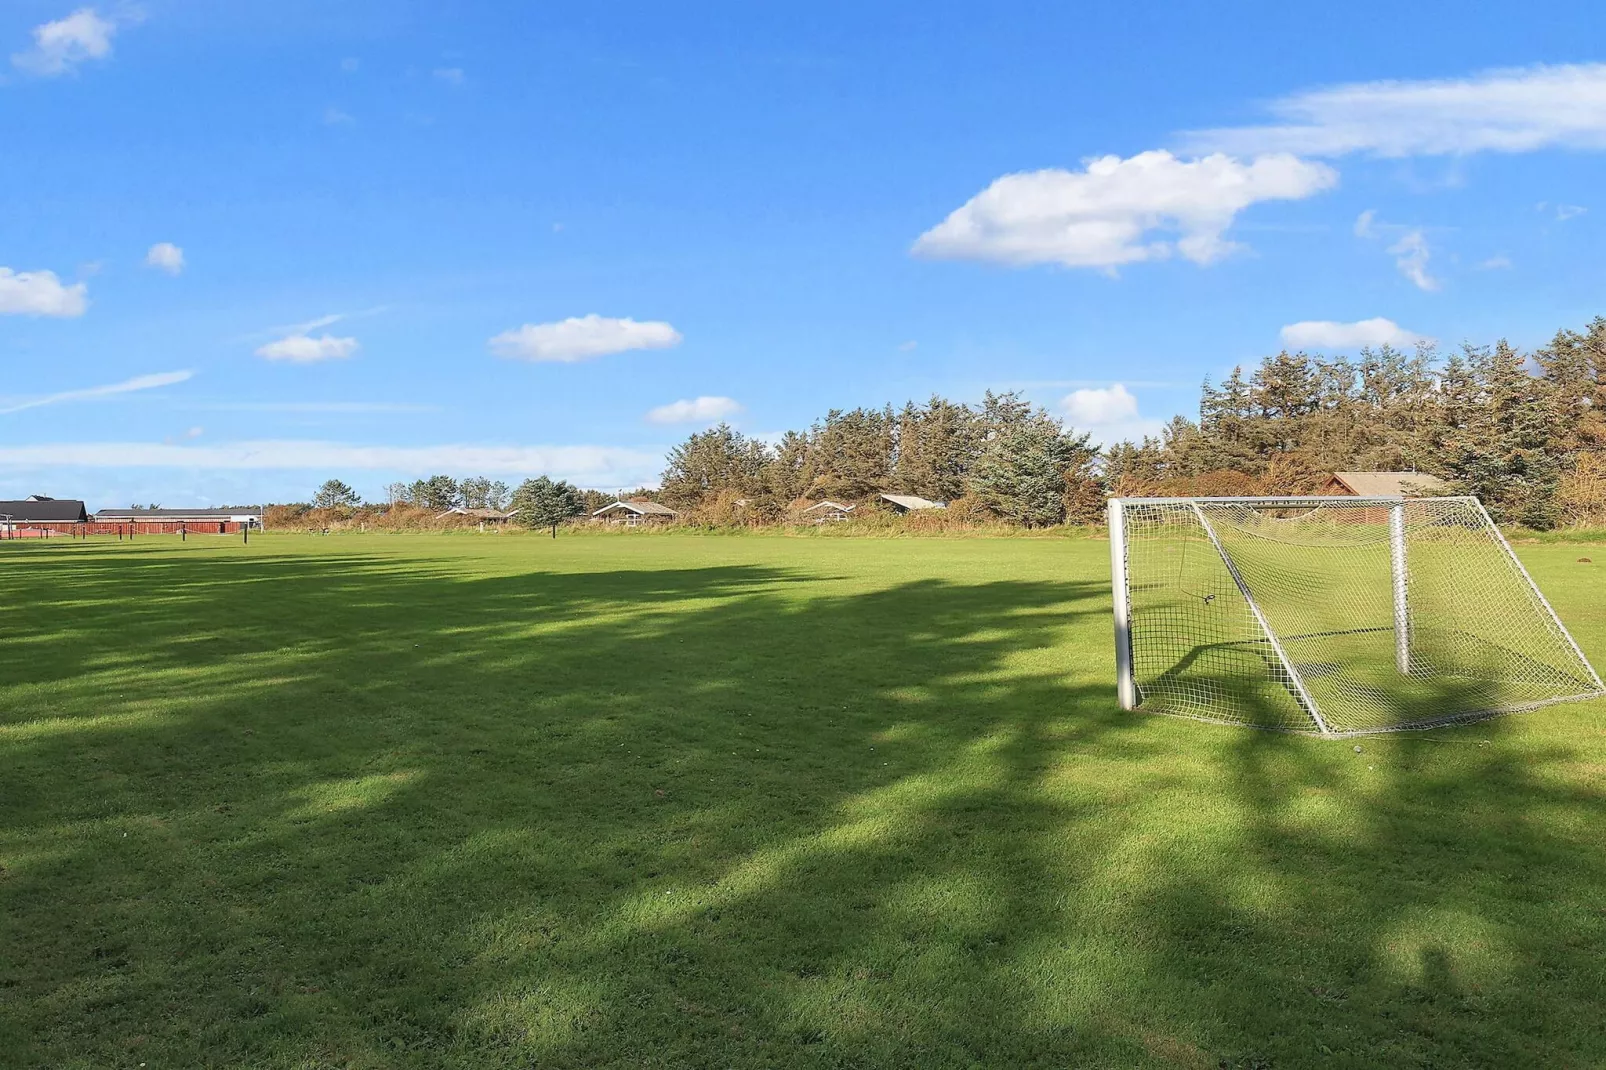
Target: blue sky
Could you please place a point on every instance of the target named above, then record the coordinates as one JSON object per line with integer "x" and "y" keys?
{"x": 245, "y": 247}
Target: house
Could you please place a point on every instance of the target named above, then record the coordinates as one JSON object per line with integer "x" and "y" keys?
{"x": 827, "y": 512}
{"x": 910, "y": 503}
{"x": 484, "y": 516}
{"x": 1385, "y": 484}
{"x": 224, "y": 521}
{"x": 634, "y": 514}
{"x": 39, "y": 515}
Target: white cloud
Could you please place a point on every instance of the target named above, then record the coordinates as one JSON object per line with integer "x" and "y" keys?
{"x": 1363, "y": 224}
{"x": 60, "y": 46}
{"x": 582, "y": 338}
{"x": 1565, "y": 212}
{"x": 705, "y": 410}
{"x": 305, "y": 349}
{"x": 449, "y": 75}
{"x": 1411, "y": 255}
{"x": 1511, "y": 110}
{"x": 40, "y": 293}
{"x": 166, "y": 256}
{"x": 604, "y": 466}
{"x": 1495, "y": 263}
{"x": 1102, "y": 216}
{"x": 335, "y": 117}
{"x": 908, "y": 347}
{"x": 127, "y": 386}
{"x": 1330, "y": 335}
{"x": 1109, "y": 413}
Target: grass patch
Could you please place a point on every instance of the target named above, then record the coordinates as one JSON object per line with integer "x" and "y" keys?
{"x": 451, "y": 802}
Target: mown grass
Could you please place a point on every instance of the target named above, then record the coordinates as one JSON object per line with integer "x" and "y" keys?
{"x": 448, "y": 802}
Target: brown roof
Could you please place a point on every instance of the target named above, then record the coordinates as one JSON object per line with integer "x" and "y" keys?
{"x": 1390, "y": 484}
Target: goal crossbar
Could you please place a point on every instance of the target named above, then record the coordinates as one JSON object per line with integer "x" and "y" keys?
{"x": 1331, "y": 615}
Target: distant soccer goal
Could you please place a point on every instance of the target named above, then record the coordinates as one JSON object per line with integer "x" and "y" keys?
{"x": 1338, "y": 616}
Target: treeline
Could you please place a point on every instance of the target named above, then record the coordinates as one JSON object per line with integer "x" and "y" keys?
{"x": 1003, "y": 459}
{"x": 1525, "y": 432}
{"x": 429, "y": 504}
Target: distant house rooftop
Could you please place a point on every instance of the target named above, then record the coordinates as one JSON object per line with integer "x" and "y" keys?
{"x": 637, "y": 509}
{"x": 1385, "y": 484}
{"x": 829, "y": 504}
{"x": 478, "y": 514}
{"x": 909, "y": 503}
{"x": 41, "y": 510}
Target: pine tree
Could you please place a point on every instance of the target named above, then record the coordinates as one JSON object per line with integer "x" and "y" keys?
{"x": 545, "y": 503}
{"x": 711, "y": 461}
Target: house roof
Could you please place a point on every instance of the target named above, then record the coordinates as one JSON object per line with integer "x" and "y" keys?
{"x": 639, "y": 508}
{"x": 478, "y": 514}
{"x": 44, "y": 511}
{"x": 912, "y": 501}
{"x": 241, "y": 513}
{"x": 829, "y": 504}
{"x": 1390, "y": 484}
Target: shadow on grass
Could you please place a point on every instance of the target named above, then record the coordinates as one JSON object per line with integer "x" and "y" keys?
{"x": 367, "y": 810}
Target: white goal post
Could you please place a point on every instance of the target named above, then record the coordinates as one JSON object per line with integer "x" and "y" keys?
{"x": 1332, "y": 615}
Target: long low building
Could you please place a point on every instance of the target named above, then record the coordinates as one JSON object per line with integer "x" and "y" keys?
{"x": 168, "y": 521}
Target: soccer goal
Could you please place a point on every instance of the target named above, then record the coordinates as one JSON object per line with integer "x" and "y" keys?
{"x": 1338, "y": 616}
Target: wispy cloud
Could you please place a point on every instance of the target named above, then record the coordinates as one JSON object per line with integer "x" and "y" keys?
{"x": 165, "y": 256}
{"x": 305, "y": 349}
{"x": 582, "y": 338}
{"x": 330, "y": 407}
{"x": 1330, "y": 335}
{"x": 60, "y": 46}
{"x": 333, "y": 116}
{"x": 127, "y": 386}
{"x": 1411, "y": 255}
{"x": 595, "y": 466}
{"x": 1510, "y": 110}
{"x": 449, "y": 75}
{"x": 703, "y": 410}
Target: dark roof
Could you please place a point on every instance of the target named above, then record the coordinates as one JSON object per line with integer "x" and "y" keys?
{"x": 639, "y": 508}
{"x": 49, "y": 511}
{"x": 178, "y": 514}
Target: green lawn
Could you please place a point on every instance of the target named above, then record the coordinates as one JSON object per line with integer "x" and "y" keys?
{"x": 727, "y": 802}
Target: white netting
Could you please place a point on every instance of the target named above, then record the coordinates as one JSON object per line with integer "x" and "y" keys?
{"x": 1372, "y": 615}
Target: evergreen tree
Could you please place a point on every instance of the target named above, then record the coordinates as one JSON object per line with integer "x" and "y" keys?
{"x": 437, "y": 493}
{"x": 335, "y": 495}
{"x": 1025, "y": 467}
{"x": 852, "y": 453}
{"x": 541, "y": 502}
{"x": 708, "y": 462}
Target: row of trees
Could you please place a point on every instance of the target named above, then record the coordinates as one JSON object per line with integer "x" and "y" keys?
{"x": 1525, "y": 432}
{"x": 1004, "y": 457}
{"x": 540, "y": 502}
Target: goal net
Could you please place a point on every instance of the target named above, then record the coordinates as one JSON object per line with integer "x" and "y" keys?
{"x": 1340, "y": 616}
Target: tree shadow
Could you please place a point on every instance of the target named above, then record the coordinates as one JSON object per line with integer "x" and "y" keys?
{"x": 357, "y": 809}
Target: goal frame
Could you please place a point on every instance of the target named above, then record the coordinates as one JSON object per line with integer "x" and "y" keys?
{"x": 1126, "y": 683}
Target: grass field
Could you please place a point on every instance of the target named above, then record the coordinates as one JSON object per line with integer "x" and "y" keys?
{"x": 736, "y": 802}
